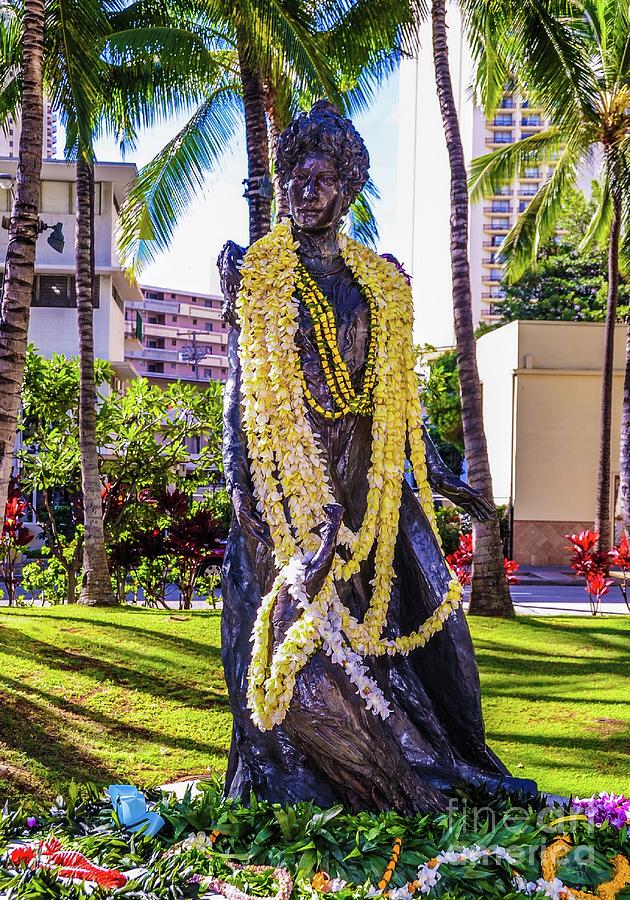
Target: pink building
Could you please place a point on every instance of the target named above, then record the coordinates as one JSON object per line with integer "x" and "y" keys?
{"x": 176, "y": 335}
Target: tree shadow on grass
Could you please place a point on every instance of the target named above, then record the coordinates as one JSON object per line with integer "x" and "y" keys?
{"x": 519, "y": 661}
{"x": 612, "y": 748}
{"x": 37, "y": 733}
{"x": 178, "y": 642}
{"x": 110, "y": 724}
{"x": 68, "y": 660}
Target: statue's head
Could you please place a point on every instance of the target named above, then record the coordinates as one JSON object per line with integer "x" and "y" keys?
{"x": 323, "y": 162}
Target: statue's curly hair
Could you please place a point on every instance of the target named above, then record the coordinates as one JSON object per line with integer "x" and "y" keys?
{"x": 324, "y": 130}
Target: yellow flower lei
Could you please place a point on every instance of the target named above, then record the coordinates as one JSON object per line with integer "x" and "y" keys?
{"x": 289, "y": 474}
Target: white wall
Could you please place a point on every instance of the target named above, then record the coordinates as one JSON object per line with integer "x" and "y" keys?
{"x": 424, "y": 180}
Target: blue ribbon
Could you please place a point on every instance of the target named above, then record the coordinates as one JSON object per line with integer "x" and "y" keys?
{"x": 130, "y": 806}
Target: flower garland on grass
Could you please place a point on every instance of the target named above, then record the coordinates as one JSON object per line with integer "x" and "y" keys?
{"x": 289, "y": 473}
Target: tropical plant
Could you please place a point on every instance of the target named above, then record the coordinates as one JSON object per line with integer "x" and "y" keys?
{"x": 52, "y": 577}
{"x": 568, "y": 282}
{"x": 14, "y": 538}
{"x": 593, "y": 563}
{"x": 105, "y": 68}
{"x": 143, "y": 437}
{"x": 582, "y": 85}
{"x": 271, "y": 59}
{"x": 26, "y": 33}
{"x": 441, "y": 397}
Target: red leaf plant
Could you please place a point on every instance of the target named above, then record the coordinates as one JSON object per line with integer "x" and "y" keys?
{"x": 592, "y": 564}
{"x": 70, "y": 863}
{"x": 461, "y": 561}
{"x": 620, "y": 559}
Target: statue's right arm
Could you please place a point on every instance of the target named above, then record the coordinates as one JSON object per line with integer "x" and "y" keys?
{"x": 235, "y": 462}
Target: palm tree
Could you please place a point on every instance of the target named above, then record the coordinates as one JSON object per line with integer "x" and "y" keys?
{"x": 489, "y": 591}
{"x": 584, "y": 90}
{"x": 23, "y": 231}
{"x": 271, "y": 59}
{"x": 97, "y": 77}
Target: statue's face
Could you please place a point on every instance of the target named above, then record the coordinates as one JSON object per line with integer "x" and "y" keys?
{"x": 315, "y": 193}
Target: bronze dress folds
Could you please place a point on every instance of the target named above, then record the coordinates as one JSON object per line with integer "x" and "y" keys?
{"x": 330, "y": 748}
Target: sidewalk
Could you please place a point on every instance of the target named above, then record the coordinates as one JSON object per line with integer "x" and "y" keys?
{"x": 562, "y": 576}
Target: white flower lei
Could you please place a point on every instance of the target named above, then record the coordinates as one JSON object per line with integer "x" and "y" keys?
{"x": 287, "y": 468}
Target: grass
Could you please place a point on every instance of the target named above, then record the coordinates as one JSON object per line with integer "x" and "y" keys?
{"x": 138, "y": 695}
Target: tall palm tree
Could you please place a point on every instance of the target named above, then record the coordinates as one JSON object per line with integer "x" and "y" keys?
{"x": 489, "y": 590}
{"x": 271, "y": 58}
{"x": 585, "y": 92}
{"x": 23, "y": 230}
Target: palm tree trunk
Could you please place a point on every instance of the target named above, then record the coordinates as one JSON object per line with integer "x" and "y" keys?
{"x": 276, "y": 126}
{"x": 20, "y": 260}
{"x": 257, "y": 141}
{"x": 624, "y": 460}
{"x": 602, "y": 503}
{"x": 96, "y": 586}
{"x": 490, "y": 594}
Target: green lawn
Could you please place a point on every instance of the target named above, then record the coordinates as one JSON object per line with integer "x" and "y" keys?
{"x": 138, "y": 695}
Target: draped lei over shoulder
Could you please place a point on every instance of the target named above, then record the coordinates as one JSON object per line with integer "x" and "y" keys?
{"x": 290, "y": 480}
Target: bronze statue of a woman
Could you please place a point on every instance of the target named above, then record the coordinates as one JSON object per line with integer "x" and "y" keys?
{"x": 347, "y": 656}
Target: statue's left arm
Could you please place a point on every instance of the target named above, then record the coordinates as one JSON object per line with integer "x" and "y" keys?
{"x": 453, "y": 488}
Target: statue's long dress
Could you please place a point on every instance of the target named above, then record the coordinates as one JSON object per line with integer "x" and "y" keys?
{"x": 330, "y": 747}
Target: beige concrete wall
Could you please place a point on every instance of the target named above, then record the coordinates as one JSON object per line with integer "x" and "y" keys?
{"x": 542, "y": 400}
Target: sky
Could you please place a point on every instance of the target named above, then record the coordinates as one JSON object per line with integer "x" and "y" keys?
{"x": 220, "y": 214}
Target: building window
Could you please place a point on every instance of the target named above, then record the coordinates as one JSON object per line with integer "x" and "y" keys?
{"x": 209, "y": 326}
{"x": 208, "y": 303}
{"x": 502, "y": 137}
{"x": 154, "y": 295}
{"x": 500, "y": 206}
{"x": 172, "y": 367}
{"x": 173, "y": 318}
{"x": 173, "y": 342}
{"x": 56, "y": 197}
{"x": 58, "y": 291}
{"x": 504, "y": 120}
{"x": 194, "y": 321}
{"x": 156, "y": 368}
{"x": 207, "y": 373}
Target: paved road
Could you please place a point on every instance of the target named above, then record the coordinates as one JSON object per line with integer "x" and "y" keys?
{"x": 548, "y": 600}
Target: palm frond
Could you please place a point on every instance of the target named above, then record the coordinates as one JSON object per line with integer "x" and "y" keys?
{"x": 166, "y": 186}
{"x": 273, "y": 30}
{"x": 599, "y": 226}
{"x": 537, "y": 223}
{"x": 492, "y": 170}
{"x": 486, "y": 25}
{"x": 10, "y": 64}
{"x": 552, "y": 67}
{"x": 360, "y": 222}
{"x": 74, "y": 71}
{"x": 155, "y": 74}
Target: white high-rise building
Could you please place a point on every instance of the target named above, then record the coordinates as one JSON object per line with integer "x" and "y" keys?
{"x": 10, "y": 136}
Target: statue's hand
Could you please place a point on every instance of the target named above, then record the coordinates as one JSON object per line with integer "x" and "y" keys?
{"x": 319, "y": 566}
{"x": 461, "y": 494}
{"x": 228, "y": 263}
{"x": 248, "y": 518}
